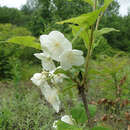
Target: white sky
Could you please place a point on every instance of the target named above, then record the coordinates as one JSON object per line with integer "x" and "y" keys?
{"x": 12, "y": 3}
{"x": 124, "y": 4}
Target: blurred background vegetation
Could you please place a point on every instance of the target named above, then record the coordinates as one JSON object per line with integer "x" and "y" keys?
{"x": 17, "y": 63}
{"x": 38, "y": 17}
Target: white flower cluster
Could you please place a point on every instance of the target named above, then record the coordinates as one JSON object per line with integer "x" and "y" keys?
{"x": 51, "y": 94}
{"x": 55, "y": 47}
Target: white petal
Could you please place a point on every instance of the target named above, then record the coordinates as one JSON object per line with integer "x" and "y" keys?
{"x": 78, "y": 59}
{"x": 67, "y": 119}
{"x": 78, "y": 52}
{"x": 38, "y": 79}
{"x": 58, "y": 78}
{"x": 51, "y": 96}
{"x": 47, "y": 62}
{"x": 41, "y": 55}
{"x": 48, "y": 65}
{"x": 70, "y": 58}
{"x": 55, "y": 43}
{"x": 56, "y": 35}
{"x": 44, "y": 40}
{"x": 64, "y": 63}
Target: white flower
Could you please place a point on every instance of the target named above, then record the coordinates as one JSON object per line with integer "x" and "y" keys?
{"x": 51, "y": 96}
{"x": 54, "y": 124}
{"x": 58, "y": 78}
{"x": 70, "y": 58}
{"x": 55, "y": 44}
{"x": 38, "y": 79}
{"x": 47, "y": 62}
{"x": 44, "y": 39}
{"x": 67, "y": 119}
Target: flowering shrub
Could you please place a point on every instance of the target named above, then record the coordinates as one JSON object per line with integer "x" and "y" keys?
{"x": 57, "y": 50}
{"x": 66, "y": 71}
{"x": 55, "y": 47}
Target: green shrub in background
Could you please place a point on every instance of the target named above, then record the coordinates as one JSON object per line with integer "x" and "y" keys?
{"x": 13, "y": 16}
{"x": 9, "y": 30}
{"x": 10, "y": 53}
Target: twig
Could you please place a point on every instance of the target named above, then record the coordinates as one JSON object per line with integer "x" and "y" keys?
{"x": 84, "y": 84}
{"x": 98, "y": 20}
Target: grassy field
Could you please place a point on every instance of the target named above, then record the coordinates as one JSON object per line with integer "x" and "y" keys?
{"x": 22, "y": 106}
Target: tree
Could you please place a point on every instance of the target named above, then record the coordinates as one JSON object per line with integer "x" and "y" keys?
{"x": 13, "y": 16}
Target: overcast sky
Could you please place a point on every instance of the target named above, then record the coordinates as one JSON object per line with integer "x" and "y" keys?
{"x": 124, "y": 4}
{"x": 12, "y": 3}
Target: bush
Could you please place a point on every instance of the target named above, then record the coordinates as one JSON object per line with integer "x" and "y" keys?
{"x": 9, "y": 52}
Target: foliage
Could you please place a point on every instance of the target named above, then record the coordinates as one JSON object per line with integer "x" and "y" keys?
{"x": 9, "y": 30}
{"x": 13, "y": 16}
{"x": 100, "y": 128}
{"x": 27, "y": 108}
{"x": 65, "y": 126}
{"x": 82, "y": 24}
{"x": 28, "y": 41}
{"x": 101, "y": 84}
{"x": 32, "y": 17}
{"x": 10, "y": 52}
{"x": 118, "y": 40}
{"x": 21, "y": 110}
{"x": 80, "y": 116}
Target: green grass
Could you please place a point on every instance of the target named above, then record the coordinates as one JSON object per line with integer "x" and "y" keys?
{"x": 22, "y": 106}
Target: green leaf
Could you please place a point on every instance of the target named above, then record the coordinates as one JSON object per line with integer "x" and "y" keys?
{"x": 92, "y": 109}
{"x": 105, "y": 31}
{"x": 106, "y": 4}
{"x": 76, "y": 31}
{"x": 95, "y": 44}
{"x": 84, "y": 20}
{"x": 98, "y": 35}
{"x": 28, "y": 41}
{"x": 60, "y": 70}
{"x": 100, "y": 128}
{"x": 64, "y": 126}
{"x": 91, "y": 2}
{"x": 79, "y": 114}
{"x": 83, "y": 33}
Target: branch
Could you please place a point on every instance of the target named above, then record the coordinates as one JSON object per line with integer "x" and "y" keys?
{"x": 98, "y": 20}
{"x": 85, "y": 102}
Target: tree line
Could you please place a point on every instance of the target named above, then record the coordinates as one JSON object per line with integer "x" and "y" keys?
{"x": 40, "y": 16}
